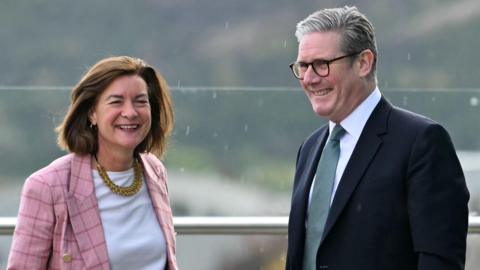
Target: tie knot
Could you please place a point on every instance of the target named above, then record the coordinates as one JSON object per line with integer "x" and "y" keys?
{"x": 337, "y": 133}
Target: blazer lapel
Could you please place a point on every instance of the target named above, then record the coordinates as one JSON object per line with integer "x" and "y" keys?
{"x": 366, "y": 148}
{"x": 84, "y": 214}
{"x": 157, "y": 188}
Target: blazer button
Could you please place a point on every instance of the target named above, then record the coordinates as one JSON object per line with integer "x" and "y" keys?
{"x": 67, "y": 258}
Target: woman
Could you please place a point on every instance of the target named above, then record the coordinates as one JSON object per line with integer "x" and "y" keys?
{"x": 104, "y": 205}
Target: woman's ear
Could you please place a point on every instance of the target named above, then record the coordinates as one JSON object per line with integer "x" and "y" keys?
{"x": 92, "y": 117}
{"x": 366, "y": 59}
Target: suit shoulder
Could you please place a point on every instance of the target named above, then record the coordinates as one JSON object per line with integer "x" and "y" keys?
{"x": 44, "y": 184}
{"x": 151, "y": 159}
{"x": 154, "y": 162}
{"x": 411, "y": 126}
{"x": 406, "y": 118}
{"x": 60, "y": 165}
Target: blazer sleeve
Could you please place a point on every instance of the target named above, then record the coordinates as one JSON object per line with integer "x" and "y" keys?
{"x": 32, "y": 239}
{"x": 437, "y": 201}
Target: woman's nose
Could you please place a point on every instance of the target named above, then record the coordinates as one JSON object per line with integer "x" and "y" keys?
{"x": 129, "y": 110}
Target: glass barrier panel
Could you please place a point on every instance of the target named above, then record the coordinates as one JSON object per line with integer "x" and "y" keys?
{"x": 233, "y": 150}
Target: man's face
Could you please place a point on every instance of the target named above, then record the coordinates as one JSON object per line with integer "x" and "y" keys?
{"x": 338, "y": 94}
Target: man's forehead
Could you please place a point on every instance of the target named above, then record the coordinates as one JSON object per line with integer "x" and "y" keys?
{"x": 317, "y": 44}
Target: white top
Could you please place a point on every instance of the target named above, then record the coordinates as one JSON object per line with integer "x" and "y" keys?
{"x": 353, "y": 125}
{"x": 132, "y": 232}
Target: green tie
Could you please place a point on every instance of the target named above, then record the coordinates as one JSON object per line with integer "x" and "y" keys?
{"x": 321, "y": 195}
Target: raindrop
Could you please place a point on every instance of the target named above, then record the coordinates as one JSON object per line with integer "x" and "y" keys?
{"x": 226, "y": 147}
{"x": 214, "y": 95}
{"x": 245, "y": 128}
{"x": 227, "y": 25}
{"x": 434, "y": 98}
{"x": 473, "y": 101}
{"x": 408, "y": 56}
{"x": 182, "y": 170}
{"x": 284, "y": 44}
{"x": 215, "y": 134}
{"x": 405, "y": 101}
{"x": 187, "y": 131}
{"x": 262, "y": 249}
{"x": 178, "y": 83}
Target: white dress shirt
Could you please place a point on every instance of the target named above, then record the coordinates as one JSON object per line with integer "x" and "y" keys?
{"x": 353, "y": 125}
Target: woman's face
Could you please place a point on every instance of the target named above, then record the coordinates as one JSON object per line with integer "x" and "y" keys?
{"x": 122, "y": 115}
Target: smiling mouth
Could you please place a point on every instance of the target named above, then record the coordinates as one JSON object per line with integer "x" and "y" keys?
{"x": 128, "y": 127}
{"x": 321, "y": 92}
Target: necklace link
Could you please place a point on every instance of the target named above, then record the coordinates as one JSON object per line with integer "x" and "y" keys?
{"x": 123, "y": 191}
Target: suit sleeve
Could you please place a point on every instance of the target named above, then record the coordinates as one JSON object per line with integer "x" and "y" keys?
{"x": 32, "y": 239}
{"x": 437, "y": 201}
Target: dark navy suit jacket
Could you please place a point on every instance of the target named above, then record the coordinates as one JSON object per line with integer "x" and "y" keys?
{"x": 402, "y": 202}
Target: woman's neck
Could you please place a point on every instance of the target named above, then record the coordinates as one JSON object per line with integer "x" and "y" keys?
{"x": 115, "y": 162}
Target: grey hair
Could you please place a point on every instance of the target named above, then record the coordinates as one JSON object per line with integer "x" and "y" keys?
{"x": 357, "y": 32}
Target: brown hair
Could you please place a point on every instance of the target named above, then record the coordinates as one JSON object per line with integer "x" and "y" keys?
{"x": 75, "y": 134}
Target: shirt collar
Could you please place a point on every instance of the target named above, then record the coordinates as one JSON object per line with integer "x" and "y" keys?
{"x": 356, "y": 120}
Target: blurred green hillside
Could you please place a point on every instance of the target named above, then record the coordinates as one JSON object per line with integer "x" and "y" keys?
{"x": 214, "y": 54}
{"x": 426, "y": 44}
{"x": 248, "y": 135}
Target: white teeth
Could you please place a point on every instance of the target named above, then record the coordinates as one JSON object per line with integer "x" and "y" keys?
{"x": 321, "y": 92}
{"x": 128, "y": 126}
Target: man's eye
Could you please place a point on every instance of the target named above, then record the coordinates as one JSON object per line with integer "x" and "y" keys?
{"x": 320, "y": 64}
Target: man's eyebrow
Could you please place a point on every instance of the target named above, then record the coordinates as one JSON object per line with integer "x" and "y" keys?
{"x": 314, "y": 60}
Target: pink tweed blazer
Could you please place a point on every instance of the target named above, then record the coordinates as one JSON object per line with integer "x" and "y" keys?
{"x": 59, "y": 225}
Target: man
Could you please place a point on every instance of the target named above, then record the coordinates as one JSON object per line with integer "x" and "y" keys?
{"x": 378, "y": 187}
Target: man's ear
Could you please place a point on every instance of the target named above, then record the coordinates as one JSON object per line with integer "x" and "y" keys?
{"x": 365, "y": 61}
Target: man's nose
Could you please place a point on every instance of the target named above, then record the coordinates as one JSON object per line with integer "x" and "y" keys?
{"x": 310, "y": 76}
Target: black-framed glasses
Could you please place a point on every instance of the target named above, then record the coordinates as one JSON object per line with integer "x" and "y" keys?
{"x": 321, "y": 67}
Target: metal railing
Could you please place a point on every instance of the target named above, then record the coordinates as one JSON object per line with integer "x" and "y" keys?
{"x": 227, "y": 225}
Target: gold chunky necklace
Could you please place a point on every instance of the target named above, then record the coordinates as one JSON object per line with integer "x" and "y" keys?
{"x": 123, "y": 191}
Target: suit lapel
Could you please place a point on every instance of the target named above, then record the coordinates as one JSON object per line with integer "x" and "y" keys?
{"x": 309, "y": 156}
{"x": 311, "y": 167}
{"x": 83, "y": 213}
{"x": 366, "y": 148}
